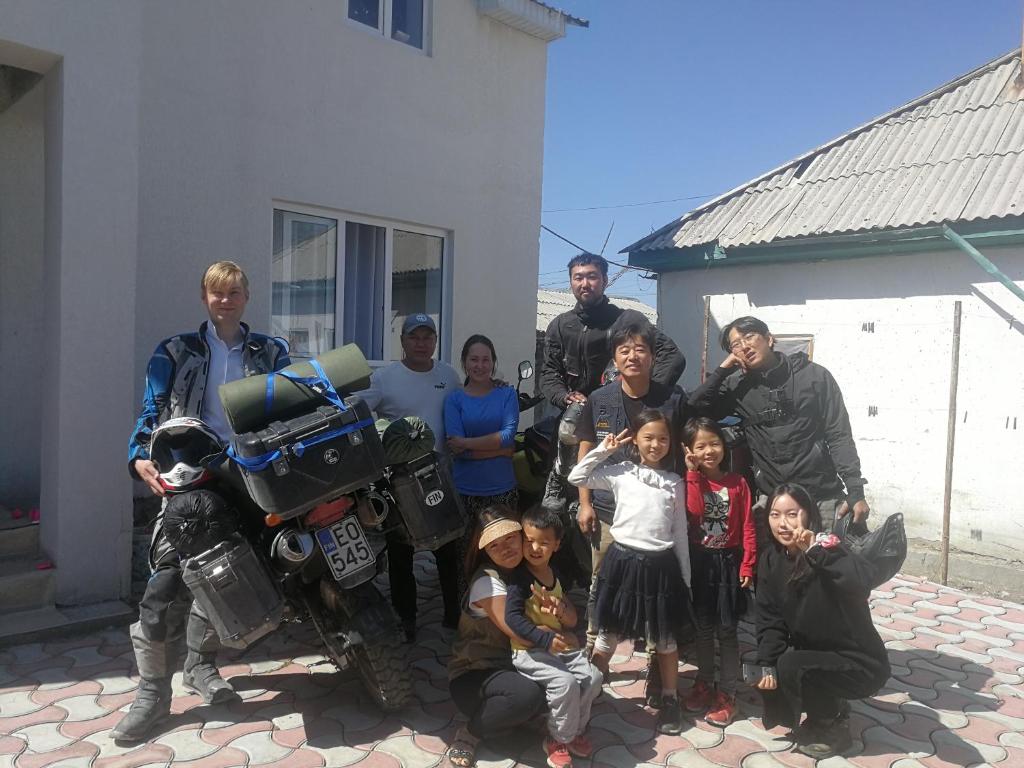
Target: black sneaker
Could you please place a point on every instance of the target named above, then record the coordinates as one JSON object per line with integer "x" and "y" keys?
{"x": 822, "y": 740}
{"x": 670, "y": 716}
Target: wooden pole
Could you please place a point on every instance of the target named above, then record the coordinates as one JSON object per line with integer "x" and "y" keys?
{"x": 704, "y": 340}
{"x": 954, "y": 376}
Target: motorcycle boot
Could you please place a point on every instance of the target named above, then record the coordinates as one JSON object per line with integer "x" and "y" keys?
{"x": 554, "y": 493}
{"x": 201, "y": 673}
{"x": 152, "y": 704}
{"x": 201, "y": 676}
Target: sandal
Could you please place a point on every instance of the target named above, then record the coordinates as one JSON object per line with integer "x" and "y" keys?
{"x": 462, "y": 752}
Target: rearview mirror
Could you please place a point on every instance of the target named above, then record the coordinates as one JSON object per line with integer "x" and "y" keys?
{"x": 525, "y": 370}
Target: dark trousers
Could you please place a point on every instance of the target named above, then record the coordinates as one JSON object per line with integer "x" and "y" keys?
{"x": 816, "y": 682}
{"x": 403, "y": 581}
{"x": 495, "y": 702}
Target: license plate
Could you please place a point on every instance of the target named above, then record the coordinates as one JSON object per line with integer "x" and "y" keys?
{"x": 344, "y": 545}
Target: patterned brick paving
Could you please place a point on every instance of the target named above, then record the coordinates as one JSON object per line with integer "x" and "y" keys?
{"x": 956, "y": 698}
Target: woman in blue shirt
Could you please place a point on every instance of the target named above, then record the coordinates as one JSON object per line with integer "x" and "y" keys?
{"x": 480, "y": 422}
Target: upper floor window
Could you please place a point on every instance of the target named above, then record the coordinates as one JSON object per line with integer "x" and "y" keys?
{"x": 403, "y": 20}
{"x": 360, "y": 276}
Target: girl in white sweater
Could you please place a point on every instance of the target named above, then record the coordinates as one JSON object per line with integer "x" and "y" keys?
{"x": 642, "y": 590}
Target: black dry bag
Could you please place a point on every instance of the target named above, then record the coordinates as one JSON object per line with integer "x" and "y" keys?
{"x": 885, "y": 547}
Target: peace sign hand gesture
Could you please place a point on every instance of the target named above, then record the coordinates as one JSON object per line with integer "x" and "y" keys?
{"x": 546, "y": 602}
{"x": 803, "y": 538}
{"x": 614, "y": 442}
{"x": 692, "y": 462}
{"x": 560, "y": 608}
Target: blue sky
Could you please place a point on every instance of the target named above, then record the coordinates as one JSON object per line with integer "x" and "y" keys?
{"x": 666, "y": 99}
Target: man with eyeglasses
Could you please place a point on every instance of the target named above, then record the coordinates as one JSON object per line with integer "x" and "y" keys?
{"x": 793, "y": 416}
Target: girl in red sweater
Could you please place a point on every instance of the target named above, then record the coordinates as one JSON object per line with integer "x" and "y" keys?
{"x": 723, "y": 553}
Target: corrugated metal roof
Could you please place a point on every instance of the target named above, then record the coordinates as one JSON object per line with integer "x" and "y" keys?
{"x": 550, "y": 304}
{"x": 955, "y": 154}
{"x": 569, "y": 18}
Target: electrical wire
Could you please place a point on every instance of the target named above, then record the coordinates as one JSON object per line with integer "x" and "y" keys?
{"x": 584, "y": 250}
{"x": 626, "y": 205}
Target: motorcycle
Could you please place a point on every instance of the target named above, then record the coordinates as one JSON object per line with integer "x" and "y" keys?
{"x": 531, "y": 452}
{"x": 296, "y": 561}
{"x": 544, "y": 453}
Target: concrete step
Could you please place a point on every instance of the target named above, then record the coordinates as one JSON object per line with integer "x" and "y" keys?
{"x": 48, "y": 623}
{"x": 19, "y": 541}
{"x": 8, "y": 519}
{"x": 24, "y": 586}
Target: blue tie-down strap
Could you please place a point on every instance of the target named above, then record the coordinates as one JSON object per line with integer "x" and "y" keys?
{"x": 319, "y": 383}
{"x": 261, "y": 462}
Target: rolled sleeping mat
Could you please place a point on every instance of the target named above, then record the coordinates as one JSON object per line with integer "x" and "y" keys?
{"x": 245, "y": 400}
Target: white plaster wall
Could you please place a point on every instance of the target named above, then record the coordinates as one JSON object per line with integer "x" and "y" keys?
{"x": 245, "y": 103}
{"x": 903, "y": 368}
{"x": 90, "y": 54}
{"x": 171, "y": 129}
{"x": 21, "y": 287}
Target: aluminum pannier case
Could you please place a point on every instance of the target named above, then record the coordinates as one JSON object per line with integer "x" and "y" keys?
{"x": 427, "y": 502}
{"x": 236, "y": 591}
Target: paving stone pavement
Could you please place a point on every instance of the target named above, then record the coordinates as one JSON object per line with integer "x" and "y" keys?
{"x": 956, "y": 698}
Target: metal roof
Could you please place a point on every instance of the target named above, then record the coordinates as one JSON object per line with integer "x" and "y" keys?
{"x": 533, "y": 17}
{"x": 569, "y": 18}
{"x": 955, "y": 154}
{"x": 550, "y": 304}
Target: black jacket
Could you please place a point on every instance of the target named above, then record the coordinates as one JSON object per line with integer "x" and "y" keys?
{"x": 576, "y": 350}
{"x": 824, "y": 610}
{"x": 795, "y": 423}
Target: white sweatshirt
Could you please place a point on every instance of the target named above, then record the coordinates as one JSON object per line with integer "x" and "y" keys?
{"x": 650, "y": 504}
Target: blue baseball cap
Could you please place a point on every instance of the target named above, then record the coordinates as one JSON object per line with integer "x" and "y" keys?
{"x": 419, "y": 320}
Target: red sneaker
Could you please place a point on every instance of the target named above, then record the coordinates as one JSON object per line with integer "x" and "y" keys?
{"x": 722, "y": 711}
{"x": 699, "y": 698}
{"x": 558, "y": 754}
{"x": 581, "y": 746}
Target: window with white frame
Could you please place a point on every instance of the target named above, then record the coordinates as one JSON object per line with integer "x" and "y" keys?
{"x": 401, "y": 20}
{"x": 353, "y": 274}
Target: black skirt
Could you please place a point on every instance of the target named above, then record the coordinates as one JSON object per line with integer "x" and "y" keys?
{"x": 717, "y": 595}
{"x": 642, "y": 596}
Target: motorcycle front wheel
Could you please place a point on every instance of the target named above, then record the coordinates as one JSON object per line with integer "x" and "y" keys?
{"x": 369, "y": 640}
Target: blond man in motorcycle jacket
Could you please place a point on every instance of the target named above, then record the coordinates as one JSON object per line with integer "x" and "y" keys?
{"x": 182, "y": 379}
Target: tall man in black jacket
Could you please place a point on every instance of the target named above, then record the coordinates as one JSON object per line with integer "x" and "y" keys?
{"x": 576, "y": 353}
{"x": 576, "y": 349}
{"x": 793, "y": 416}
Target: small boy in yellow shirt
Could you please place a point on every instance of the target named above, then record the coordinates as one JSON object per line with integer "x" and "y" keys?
{"x": 538, "y": 612}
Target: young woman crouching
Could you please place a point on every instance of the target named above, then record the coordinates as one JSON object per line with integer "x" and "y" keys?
{"x": 815, "y": 639}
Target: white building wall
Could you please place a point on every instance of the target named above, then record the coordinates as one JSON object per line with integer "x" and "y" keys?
{"x": 902, "y": 368}
{"x": 90, "y": 54}
{"x": 170, "y": 131}
{"x": 242, "y": 109}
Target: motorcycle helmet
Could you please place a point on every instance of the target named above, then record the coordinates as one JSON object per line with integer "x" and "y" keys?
{"x": 183, "y": 450}
{"x": 610, "y": 374}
